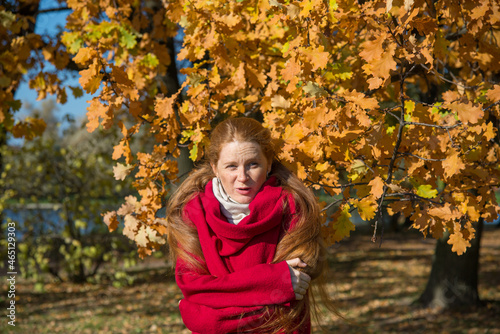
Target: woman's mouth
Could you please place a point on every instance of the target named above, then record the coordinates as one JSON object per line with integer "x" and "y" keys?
{"x": 244, "y": 191}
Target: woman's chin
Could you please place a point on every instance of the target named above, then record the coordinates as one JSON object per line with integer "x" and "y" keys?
{"x": 242, "y": 199}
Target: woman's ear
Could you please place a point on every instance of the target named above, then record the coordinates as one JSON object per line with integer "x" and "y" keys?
{"x": 214, "y": 169}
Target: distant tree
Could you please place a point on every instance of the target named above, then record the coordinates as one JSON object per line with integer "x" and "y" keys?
{"x": 69, "y": 171}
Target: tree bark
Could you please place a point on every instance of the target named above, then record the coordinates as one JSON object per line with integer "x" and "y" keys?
{"x": 453, "y": 279}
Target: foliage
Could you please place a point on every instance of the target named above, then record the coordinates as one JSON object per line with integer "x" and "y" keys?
{"x": 396, "y": 102}
{"x": 25, "y": 55}
{"x": 70, "y": 174}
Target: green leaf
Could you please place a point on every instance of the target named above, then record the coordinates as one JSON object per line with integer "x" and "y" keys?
{"x": 150, "y": 60}
{"x": 15, "y": 105}
{"x": 314, "y": 89}
{"x": 127, "y": 39}
{"x": 72, "y": 40}
{"x": 193, "y": 153}
{"x": 77, "y": 91}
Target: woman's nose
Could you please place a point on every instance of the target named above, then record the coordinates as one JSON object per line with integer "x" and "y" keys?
{"x": 242, "y": 174}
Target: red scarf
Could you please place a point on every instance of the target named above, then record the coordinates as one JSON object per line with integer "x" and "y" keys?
{"x": 241, "y": 278}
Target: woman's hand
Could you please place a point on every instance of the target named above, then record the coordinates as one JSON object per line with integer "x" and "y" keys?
{"x": 300, "y": 280}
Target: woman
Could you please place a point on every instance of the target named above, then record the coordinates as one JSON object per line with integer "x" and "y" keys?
{"x": 244, "y": 233}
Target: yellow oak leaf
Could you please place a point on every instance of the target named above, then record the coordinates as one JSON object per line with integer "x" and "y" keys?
{"x": 377, "y": 186}
{"x": 314, "y": 89}
{"x": 121, "y": 171}
{"x": 426, "y": 191}
{"x": 293, "y": 135}
{"x": 90, "y": 80}
{"x": 452, "y": 165}
{"x": 122, "y": 149}
{"x": 130, "y": 228}
{"x": 307, "y": 6}
{"x": 366, "y": 208}
{"x": 153, "y": 236}
{"x": 313, "y": 117}
{"x": 238, "y": 77}
{"x": 278, "y": 101}
{"x": 479, "y": 11}
{"x": 322, "y": 166}
{"x": 84, "y": 55}
{"x": 142, "y": 237}
{"x": 459, "y": 244}
{"x": 342, "y": 225}
{"x": 131, "y": 205}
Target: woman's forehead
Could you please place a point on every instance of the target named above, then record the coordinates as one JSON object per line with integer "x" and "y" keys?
{"x": 237, "y": 149}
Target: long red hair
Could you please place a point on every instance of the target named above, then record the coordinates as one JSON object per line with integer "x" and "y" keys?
{"x": 303, "y": 240}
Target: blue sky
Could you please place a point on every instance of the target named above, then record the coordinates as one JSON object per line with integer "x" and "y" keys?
{"x": 47, "y": 24}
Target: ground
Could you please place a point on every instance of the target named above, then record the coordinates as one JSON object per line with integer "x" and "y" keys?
{"x": 373, "y": 287}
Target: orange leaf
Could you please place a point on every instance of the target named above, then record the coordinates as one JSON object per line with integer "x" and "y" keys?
{"x": 90, "y": 79}
{"x": 459, "y": 243}
{"x": 494, "y": 94}
{"x": 164, "y": 106}
{"x": 291, "y": 70}
{"x": 444, "y": 212}
{"x": 382, "y": 67}
{"x": 452, "y": 165}
{"x": 467, "y": 113}
{"x": 84, "y": 55}
{"x": 377, "y": 187}
{"x": 95, "y": 111}
{"x": 373, "y": 49}
{"x": 111, "y": 220}
{"x": 317, "y": 57}
{"x": 293, "y": 135}
{"x": 361, "y": 100}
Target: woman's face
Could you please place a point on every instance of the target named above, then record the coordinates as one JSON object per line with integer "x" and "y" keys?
{"x": 242, "y": 169}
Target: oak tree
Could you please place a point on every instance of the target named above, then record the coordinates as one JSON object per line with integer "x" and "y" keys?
{"x": 382, "y": 104}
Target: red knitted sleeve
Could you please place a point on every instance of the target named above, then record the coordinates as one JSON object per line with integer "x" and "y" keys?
{"x": 203, "y": 319}
{"x": 263, "y": 284}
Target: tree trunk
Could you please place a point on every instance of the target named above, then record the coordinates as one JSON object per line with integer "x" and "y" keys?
{"x": 453, "y": 279}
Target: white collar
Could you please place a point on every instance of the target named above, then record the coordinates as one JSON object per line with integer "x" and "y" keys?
{"x": 232, "y": 210}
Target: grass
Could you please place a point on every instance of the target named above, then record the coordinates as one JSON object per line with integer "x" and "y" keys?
{"x": 374, "y": 289}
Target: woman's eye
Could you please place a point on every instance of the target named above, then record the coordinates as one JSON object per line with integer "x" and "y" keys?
{"x": 254, "y": 164}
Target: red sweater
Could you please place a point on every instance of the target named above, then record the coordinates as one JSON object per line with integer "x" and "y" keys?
{"x": 241, "y": 278}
